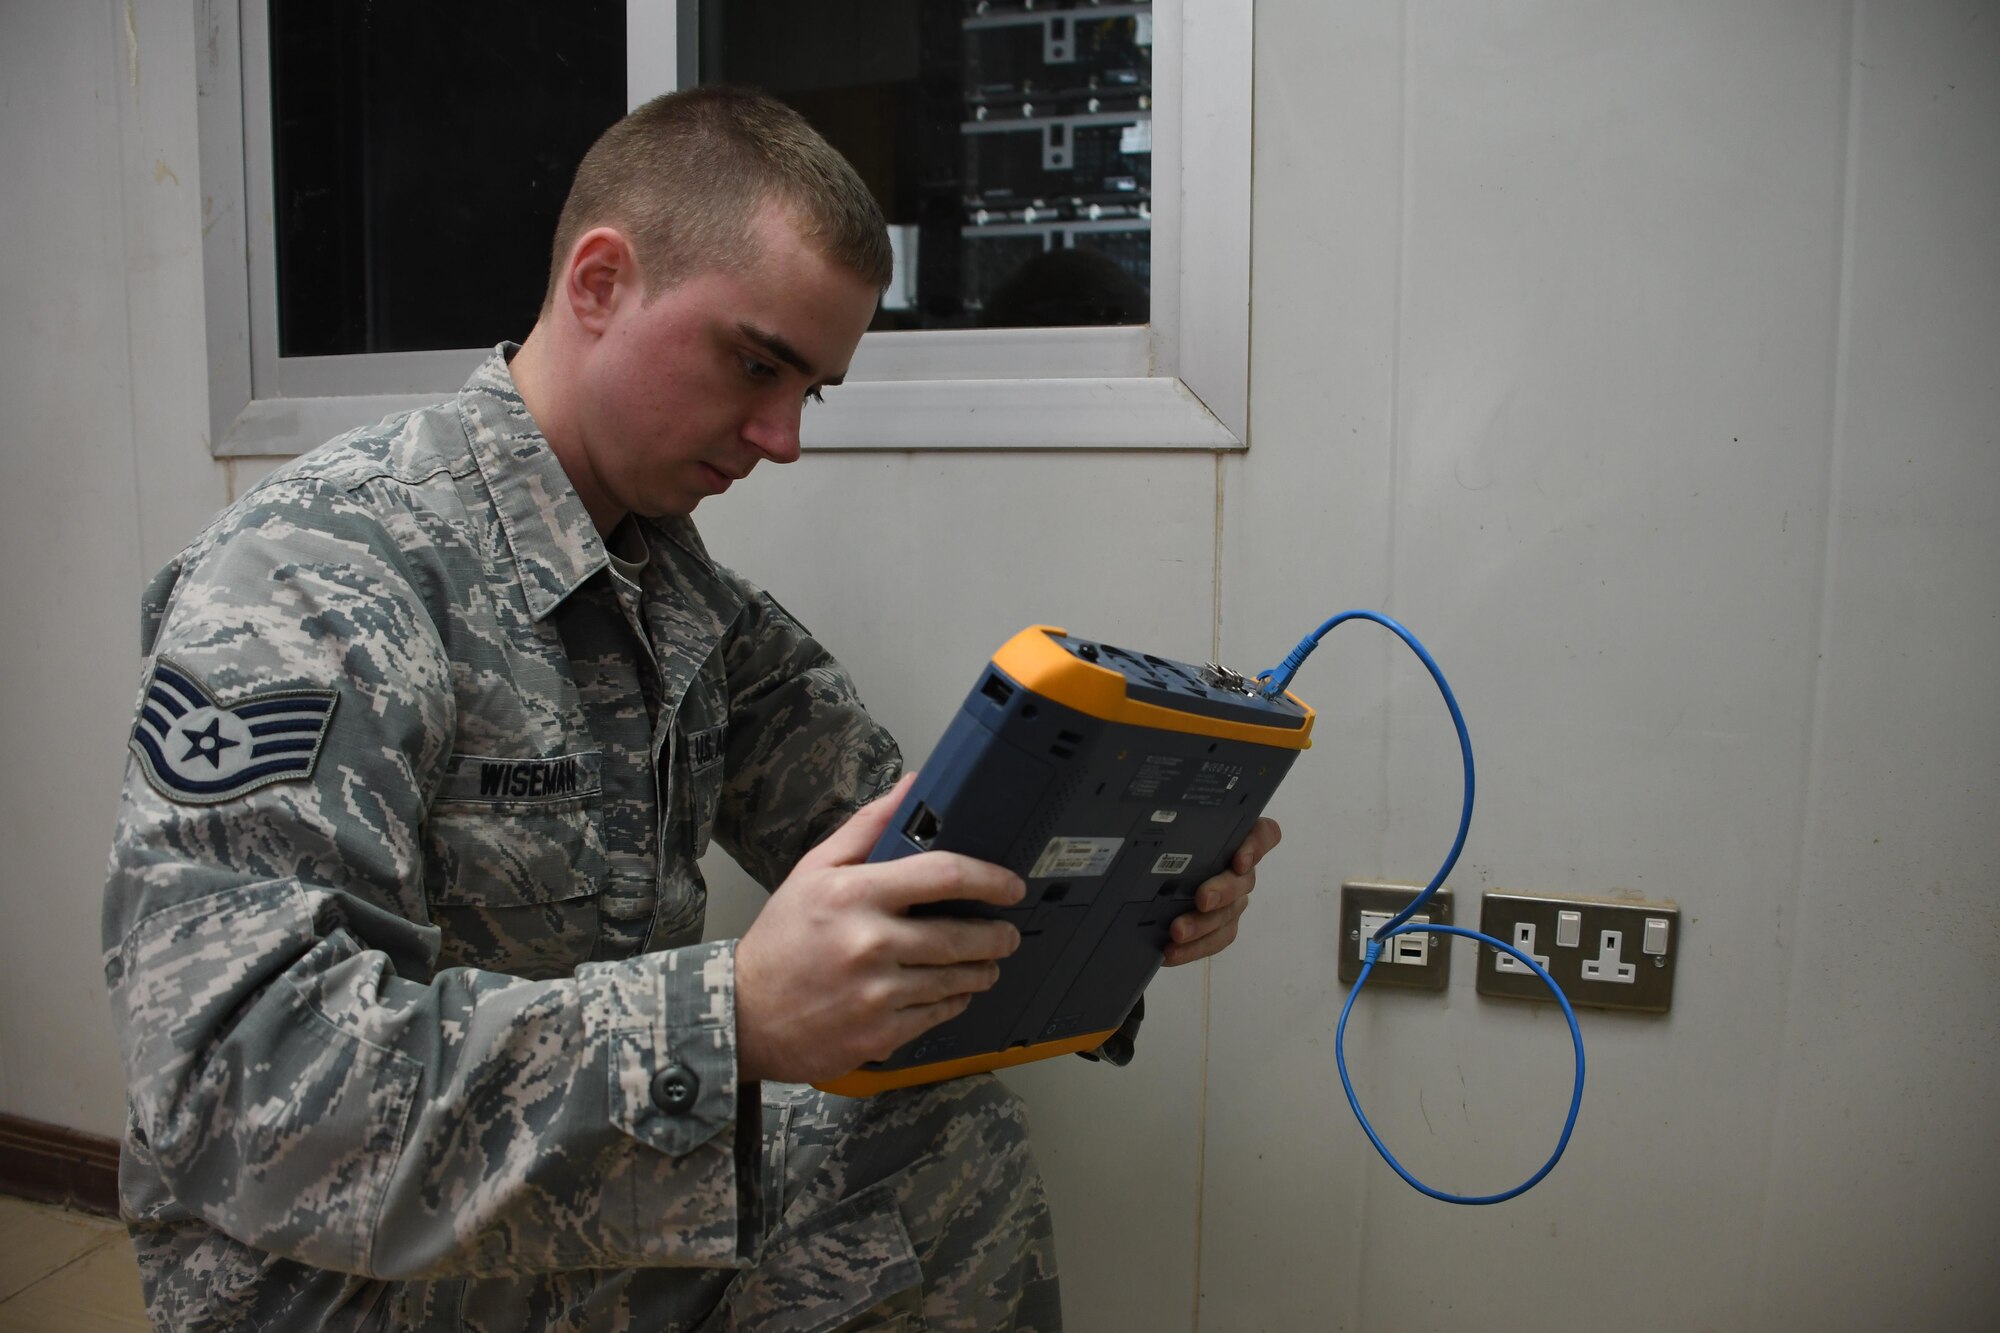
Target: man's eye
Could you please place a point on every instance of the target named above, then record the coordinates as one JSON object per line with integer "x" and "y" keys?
{"x": 758, "y": 370}
{"x": 812, "y": 395}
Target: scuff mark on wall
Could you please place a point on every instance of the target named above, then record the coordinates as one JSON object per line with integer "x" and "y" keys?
{"x": 212, "y": 25}
{"x": 210, "y": 214}
{"x": 163, "y": 172}
{"x": 132, "y": 43}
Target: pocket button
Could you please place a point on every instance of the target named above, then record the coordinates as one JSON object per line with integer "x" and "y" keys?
{"x": 675, "y": 1089}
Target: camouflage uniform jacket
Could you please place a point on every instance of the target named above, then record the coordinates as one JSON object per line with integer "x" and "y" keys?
{"x": 403, "y": 923}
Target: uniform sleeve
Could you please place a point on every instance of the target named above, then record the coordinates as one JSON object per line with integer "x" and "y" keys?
{"x": 803, "y": 753}
{"x": 300, "y": 1075}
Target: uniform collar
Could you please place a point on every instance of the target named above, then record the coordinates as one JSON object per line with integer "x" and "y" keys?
{"x": 555, "y": 546}
{"x": 701, "y": 602}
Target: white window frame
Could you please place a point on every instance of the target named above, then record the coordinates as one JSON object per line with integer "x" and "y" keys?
{"x": 1180, "y": 382}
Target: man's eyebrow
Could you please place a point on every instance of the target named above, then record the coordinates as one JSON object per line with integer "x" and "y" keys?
{"x": 782, "y": 350}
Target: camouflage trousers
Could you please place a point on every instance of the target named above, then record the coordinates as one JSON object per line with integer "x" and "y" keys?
{"x": 916, "y": 1210}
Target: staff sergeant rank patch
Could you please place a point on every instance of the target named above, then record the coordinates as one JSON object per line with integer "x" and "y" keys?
{"x": 197, "y": 752}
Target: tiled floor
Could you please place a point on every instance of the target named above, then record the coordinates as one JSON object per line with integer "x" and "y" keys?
{"x": 64, "y": 1272}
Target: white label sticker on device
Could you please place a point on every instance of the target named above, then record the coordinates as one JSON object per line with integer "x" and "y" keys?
{"x": 1172, "y": 863}
{"x": 1076, "y": 856}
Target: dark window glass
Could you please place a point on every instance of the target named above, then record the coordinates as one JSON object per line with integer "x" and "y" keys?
{"x": 422, "y": 152}
{"x": 1009, "y": 143}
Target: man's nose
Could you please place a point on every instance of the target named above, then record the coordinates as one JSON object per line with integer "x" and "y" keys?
{"x": 774, "y": 431}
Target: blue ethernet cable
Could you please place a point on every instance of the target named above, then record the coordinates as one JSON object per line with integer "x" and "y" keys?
{"x": 1273, "y": 683}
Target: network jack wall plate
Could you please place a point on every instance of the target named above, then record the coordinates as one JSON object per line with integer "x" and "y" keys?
{"x": 1417, "y": 961}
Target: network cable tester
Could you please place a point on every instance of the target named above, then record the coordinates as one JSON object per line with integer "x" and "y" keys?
{"x": 1114, "y": 783}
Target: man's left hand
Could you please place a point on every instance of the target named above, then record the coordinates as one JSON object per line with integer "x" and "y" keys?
{"x": 1219, "y": 903}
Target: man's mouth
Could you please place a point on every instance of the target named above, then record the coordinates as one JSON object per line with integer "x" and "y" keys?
{"x": 719, "y": 480}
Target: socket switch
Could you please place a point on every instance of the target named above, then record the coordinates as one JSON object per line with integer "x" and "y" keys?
{"x": 1418, "y": 961}
{"x": 1607, "y": 953}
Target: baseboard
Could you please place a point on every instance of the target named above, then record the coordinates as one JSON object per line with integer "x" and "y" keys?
{"x": 50, "y": 1164}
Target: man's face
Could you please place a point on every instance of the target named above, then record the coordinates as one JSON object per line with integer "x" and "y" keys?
{"x": 691, "y": 389}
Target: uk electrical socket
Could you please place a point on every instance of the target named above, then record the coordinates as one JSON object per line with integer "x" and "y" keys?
{"x": 1607, "y": 953}
{"x": 1418, "y": 961}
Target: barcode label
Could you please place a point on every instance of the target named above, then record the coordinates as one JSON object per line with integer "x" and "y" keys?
{"x": 1083, "y": 857}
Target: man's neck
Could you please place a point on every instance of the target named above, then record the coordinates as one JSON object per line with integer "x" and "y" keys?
{"x": 542, "y": 392}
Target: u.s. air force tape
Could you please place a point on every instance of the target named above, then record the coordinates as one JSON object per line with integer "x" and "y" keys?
{"x": 197, "y": 752}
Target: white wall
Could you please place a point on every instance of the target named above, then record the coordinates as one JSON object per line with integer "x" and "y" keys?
{"x": 1640, "y": 357}
{"x": 1643, "y": 358}
{"x": 104, "y": 472}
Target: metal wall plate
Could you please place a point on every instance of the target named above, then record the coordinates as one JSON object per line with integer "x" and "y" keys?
{"x": 1607, "y": 953}
{"x": 1420, "y": 962}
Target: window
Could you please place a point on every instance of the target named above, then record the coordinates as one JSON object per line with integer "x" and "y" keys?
{"x": 935, "y": 372}
{"x": 419, "y": 159}
{"x": 1009, "y": 143}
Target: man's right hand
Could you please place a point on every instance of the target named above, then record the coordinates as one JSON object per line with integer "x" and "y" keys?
{"x": 834, "y": 972}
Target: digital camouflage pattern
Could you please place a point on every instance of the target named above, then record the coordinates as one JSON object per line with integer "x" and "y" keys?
{"x": 425, "y": 1035}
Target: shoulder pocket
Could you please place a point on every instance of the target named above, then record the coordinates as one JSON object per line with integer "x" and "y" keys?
{"x": 509, "y": 832}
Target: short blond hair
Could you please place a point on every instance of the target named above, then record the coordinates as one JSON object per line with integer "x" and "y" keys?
{"x": 684, "y": 175}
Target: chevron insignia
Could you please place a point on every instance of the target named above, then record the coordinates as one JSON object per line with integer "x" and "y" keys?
{"x": 197, "y": 752}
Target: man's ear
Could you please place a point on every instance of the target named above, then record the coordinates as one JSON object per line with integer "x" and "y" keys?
{"x": 603, "y": 270}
